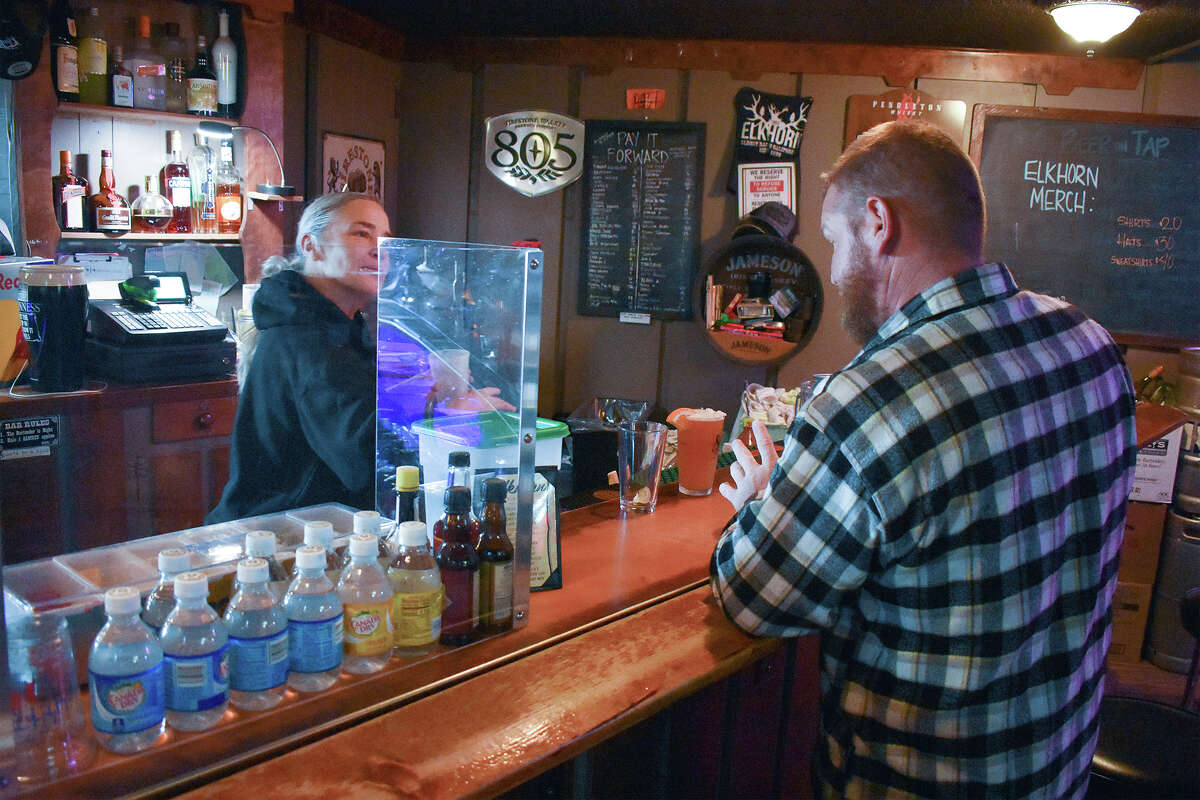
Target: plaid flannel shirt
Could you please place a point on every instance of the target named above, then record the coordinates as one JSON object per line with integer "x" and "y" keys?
{"x": 947, "y": 513}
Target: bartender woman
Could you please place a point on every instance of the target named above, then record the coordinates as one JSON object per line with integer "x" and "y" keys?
{"x": 305, "y": 427}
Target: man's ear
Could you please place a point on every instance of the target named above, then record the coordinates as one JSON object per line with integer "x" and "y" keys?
{"x": 881, "y": 229}
{"x": 309, "y": 246}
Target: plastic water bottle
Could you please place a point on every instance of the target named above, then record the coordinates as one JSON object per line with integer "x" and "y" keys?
{"x": 161, "y": 601}
{"x": 369, "y": 522}
{"x": 319, "y": 533}
{"x": 196, "y": 655}
{"x": 417, "y": 604}
{"x": 258, "y": 640}
{"x": 314, "y": 614}
{"x": 125, "y": 677}
{"x": 262, "y": 544}
{"x": 367, "y": 608}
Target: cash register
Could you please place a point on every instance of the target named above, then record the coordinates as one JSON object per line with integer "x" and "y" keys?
{"x": 148, "y": 328}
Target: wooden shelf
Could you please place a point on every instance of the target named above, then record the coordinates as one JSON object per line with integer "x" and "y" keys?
{"x": 154, "y": 237}
{"x": 137, "y": 114}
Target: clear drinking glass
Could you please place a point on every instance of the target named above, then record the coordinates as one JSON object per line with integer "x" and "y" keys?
{"x": 640, "y": 451}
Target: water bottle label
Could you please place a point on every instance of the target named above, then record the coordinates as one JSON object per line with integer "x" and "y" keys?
{"x": 368, "y": 629}
{"x": 127, "y": 703}
{"x": 259, "y": 663}
{"x": 417, "y": 617}
{"x": 197, "y": 683}
{"x": 315, "y": 646}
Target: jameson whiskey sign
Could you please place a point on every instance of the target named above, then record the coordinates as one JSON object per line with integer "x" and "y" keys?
{"x": 769, "y": 129}
{"x": 534, "y": 152}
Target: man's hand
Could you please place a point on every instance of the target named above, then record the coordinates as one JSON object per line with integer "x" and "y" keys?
{"x": 750, "y": 478}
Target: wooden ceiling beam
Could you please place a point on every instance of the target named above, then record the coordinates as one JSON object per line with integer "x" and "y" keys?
{"x": 898, "y": 66}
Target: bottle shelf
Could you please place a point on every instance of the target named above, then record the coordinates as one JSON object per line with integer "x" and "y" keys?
{"x": 153, "y": 237}
{"x": 275, "y": 198}
{"x": 137, "y": 114}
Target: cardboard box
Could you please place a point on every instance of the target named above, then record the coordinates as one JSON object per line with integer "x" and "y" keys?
{"x": 1154, "y": 475}
{"x": 1131, "y": 609}
{"x": 1143, "y": 539}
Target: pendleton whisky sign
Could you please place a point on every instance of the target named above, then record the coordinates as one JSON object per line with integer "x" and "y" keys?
{"x": 534, "y": 152}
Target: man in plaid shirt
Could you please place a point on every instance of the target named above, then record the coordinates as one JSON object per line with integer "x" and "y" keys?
{"x": 948, "y": 508}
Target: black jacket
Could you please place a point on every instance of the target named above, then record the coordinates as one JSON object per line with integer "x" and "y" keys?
{"x": 305, "y": 427}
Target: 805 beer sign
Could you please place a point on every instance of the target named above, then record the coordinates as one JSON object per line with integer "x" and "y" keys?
{"x": 534, "y": 152}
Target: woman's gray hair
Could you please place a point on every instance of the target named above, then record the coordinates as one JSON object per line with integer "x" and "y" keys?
{"x": 313, "y": 221}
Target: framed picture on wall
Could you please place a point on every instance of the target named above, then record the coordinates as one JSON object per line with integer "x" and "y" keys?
{"x": 352, "y": 164}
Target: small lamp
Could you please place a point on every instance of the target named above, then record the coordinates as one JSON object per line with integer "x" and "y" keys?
{"x": 219, "y": 130}
{"x": 1093, "y": 20}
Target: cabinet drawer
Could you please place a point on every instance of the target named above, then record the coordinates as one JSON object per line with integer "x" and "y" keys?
{"x": 193, "y": 419}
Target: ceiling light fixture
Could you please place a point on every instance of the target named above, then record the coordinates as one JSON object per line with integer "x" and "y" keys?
{"x": 1093, "y": 20}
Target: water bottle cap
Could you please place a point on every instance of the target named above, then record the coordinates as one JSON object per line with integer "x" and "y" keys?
{"x": 174, "y": 559}
{"x": 190, "y": 585}
{"x": 260, "y": 543}
{"x": 367, "y": 522}
{"x": 122, "y": 600}
{"x": 310, "y": 556}
{"x": 413, "y": 534}
{"x": 364, "y": 544}
{"x": 495, "y": 490}
{"x": 252, "y": 570}
{"x": 460, "y": 458}
{"x": 407, "y": 477}
{"x": 318, "y": 531}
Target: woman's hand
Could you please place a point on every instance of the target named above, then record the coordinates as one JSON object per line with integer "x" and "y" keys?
{"x": 750, "y": 478}
{"x": 486, "y": 399}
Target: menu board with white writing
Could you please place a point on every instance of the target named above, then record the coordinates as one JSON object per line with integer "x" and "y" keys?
{"x": 642, "y": 188}
{"x": 1100, "y": 208}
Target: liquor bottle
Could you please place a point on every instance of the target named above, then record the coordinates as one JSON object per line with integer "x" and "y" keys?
{"x": 176, "y": 183}
{"x": 407, "y": 481}
{"x": 202, "y": 84}
{"x": 225, "y": 64}
{"x": 172, "y": 563}
{"x": 203, "y": 169}
{"x": 174, "y": 52}
{"x": 196, "y": 657}
{"x": 125, "y": 677}
{"x": 64, "y": 52}
{"x": 495, "y": 553}
{"x": 121, "y": 81}
{"x": 258, "y": 639}
{"x": 366, "y": 599}
{"x": 149, "y": 70}
{"x": 70, "y": 195}
{"x": 110, "y": 212}
{"x": 93, "y": 59}
{"x": 459, "y": 565}
{"x": 314, "y": 613}
{"x": 417, "y": 582}
{"x": 151, "y": 211}
{"x": 229, "y": 193}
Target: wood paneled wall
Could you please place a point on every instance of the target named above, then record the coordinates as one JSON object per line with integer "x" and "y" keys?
{"x": 443, "y": 191}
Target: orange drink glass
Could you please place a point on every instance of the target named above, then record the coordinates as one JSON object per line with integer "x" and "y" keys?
{"x": 699, "y": 441}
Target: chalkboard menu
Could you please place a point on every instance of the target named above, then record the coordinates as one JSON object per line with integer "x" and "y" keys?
{"x": 642, "y": 185}
{"x": 1100, "y": 208}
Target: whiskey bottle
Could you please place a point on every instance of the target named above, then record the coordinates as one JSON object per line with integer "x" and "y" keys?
{"x": 151, "y": 211}
{"x": 120, "y": 80}
{"x": 176, "y": 183}
{"x": 70, "y": 195}
{"x": 202, "y": 84}
{"x": 495, "y": 553}
{"x": 64, "y": 51}
{"x": 203, "y": 169}
{"x": 174, "y": 52}
{"x": 110, "y": 212}
{"x": 149, "y": 70}
{"x": 93, "y": 59}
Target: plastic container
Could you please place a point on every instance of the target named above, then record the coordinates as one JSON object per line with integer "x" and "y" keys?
{"x": 258, "y": 640}
{"x": 366, "y": 599}
{"x": 172, "y": 563}
{"x": 126, "y": 681}
{"x": 314, "y": 614}
{"x": 196, "y": 658}
{"x": 417, "y": 582}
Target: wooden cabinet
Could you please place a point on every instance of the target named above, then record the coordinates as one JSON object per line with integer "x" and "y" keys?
{"x": 103, "y": 467}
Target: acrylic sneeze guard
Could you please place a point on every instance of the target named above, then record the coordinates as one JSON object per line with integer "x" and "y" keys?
{"x": 458, "y": 343}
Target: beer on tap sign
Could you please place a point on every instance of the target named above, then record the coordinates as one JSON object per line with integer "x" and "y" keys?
{"x": 534, "y": 152}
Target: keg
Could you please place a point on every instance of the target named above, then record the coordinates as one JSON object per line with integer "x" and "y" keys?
{"x": 1169, "y": 645}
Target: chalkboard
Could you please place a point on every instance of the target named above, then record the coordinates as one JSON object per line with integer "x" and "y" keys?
{"x": 642, "y": 185}
{"x": 1101, "y": 208}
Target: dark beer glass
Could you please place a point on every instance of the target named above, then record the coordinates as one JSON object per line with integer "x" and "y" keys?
{"x": 53, "y": 304}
